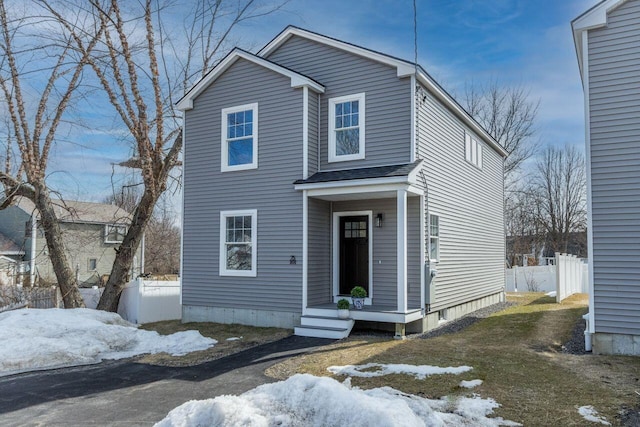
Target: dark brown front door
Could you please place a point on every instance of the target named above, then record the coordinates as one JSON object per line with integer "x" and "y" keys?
{"x": 354, "y": 253}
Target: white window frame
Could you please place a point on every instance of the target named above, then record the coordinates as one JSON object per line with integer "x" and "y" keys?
{"x": 224, "y": 141}
{"x": 473, "y": 150}
{"x": 107, "y": 228}
{"x": 224, "y": 271}
{"x": 437, "y": 238}
{"x": 333, "y": 157}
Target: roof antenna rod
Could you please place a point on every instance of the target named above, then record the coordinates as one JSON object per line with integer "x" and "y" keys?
{"x": 415, "y": 36}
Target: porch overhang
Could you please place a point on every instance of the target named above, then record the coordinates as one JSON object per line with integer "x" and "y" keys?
{"x": 365, "y": 183}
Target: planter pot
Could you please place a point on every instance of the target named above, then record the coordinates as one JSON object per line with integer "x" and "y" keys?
{"x": 343, "y": 314}
{"x": 358, "y": 303}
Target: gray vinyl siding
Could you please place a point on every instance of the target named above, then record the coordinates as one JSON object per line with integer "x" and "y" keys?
{"x": 413, "y": 252}
{"x": 614, "y": 105}
{"x": 469, "y": 203}
{"x": 319, "y": 274}
{"x": 387, "y": 98}
{"x": 313, "y": 133}
{"x": 269, "y": 189}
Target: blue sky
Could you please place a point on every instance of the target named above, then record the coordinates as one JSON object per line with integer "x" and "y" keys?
{"x": 515, "y": 42}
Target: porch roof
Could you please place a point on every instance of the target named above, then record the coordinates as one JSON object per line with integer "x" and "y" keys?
{"x": 400, "y": 170}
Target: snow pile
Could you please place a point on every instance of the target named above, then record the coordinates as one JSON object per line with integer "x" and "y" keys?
{"x": 590, "y": 414}
{"x": 53, "y": 338}
{"x": 378, "y": 369}
{"x": 234, "y": 338}
{"x": 470, "y": 384}
{"x": 306, "y": 400}
{"x": 551, "y": 294}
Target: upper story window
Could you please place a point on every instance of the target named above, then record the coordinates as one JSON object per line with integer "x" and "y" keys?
{"x": 114, "y": 233}
{"x": 473, "y": 150}
{"x": 239, "y": 138}
{"x": 434, "y": 238}
{"x": 346, "y": 128}
{"x": 238, "y": 243}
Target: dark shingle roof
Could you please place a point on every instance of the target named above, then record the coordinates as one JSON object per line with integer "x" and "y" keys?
{"x": 403, "y": 169}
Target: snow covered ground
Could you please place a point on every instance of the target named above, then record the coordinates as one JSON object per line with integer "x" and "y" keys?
{"x": 306, "y": 400}
{"x": 53, "y": 338}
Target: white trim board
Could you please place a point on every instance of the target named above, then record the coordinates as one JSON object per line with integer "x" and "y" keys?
{"x": 593, "y": 18}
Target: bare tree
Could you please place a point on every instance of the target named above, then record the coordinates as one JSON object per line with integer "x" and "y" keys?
{"x": 143, "y": 68}
{"x": 162, "y": 236}
{"x": 559, "y": 187}
{"x": 30, "y": 58}
{"x": 508, "y": 114}
{"x": 162, "y": 242}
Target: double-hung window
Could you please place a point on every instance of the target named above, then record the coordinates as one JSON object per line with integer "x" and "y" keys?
{"x": 473, "y": 151}
{"x": 239, "y": 138}
{"x": 238, "y": 242}
{"x": 346, "y": 128}
{"x": 434, "y": 238}
{"x": 114, "y": 233}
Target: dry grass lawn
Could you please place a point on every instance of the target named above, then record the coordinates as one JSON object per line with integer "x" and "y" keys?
{"x": 251, "y": 337}
{"x": 517, "y": 353}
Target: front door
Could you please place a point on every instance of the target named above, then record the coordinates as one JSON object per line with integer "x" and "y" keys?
{"x": 354, "y": 253}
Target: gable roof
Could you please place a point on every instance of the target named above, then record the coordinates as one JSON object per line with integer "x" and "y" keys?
{"x": 297, "y": 79}
{"x": 403, "y": 69}
{"x": 594, "y": 17}
{"x": 80, "y": 212}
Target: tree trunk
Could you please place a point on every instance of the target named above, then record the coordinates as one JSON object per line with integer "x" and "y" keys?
{"x": 125, "y": 254}
{"x": 53, "y": 235}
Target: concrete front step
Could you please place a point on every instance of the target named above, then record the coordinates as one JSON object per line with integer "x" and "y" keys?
{"x": 324, "y": 327}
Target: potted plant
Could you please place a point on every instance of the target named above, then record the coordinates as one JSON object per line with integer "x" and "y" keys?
{"x": 358, "y": 294}
{"x": 343, "y": 309}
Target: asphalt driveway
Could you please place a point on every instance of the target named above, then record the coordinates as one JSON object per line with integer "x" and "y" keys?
{"x": 119, "y": 393}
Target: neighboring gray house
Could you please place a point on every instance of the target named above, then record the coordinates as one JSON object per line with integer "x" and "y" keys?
{"x": 91, "y": 231}
{"x": 607, "y": 39}
{"x": 317, "y": 165}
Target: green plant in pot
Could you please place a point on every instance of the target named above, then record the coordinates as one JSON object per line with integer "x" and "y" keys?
{"x": 358, "y": 294}
{"x": 343, "y": 308}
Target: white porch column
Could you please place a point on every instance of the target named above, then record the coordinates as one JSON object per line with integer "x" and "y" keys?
{"x": 423, "y": 258}
{"x": 305, "y": 248}
{"x": 402, "y": 249}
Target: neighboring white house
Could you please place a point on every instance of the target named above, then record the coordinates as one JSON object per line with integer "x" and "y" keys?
{"x": 317, "y": 165}
{"x": 91, "y": 232}
{"x": 607, "y": 41}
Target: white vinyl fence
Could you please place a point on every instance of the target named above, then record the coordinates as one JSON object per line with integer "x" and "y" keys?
{"x": 571, "y": 276}
{"x": 545, "y": 278}
{"x": 531, "y": 279}
{"x": 145, "y": 301}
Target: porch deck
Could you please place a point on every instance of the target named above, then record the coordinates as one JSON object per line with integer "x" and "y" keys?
{"x": 372, "y": 313}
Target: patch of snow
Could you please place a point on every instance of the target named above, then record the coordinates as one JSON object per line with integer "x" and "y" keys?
{"x": 551, "y": 294}
{"x": 418, "y": 371}
{"x": 35, "y": 339}
{"x": 470, "y": 384}
{"x": 306, "y": 400}
{"x": 590, "y": 414}
{"x": 234, "y": 338}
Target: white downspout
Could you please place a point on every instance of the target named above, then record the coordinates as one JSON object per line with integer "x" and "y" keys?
{"x": 590, "y": 316}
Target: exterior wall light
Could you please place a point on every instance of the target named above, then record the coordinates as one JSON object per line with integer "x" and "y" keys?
{"x": 379, "y": 220}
